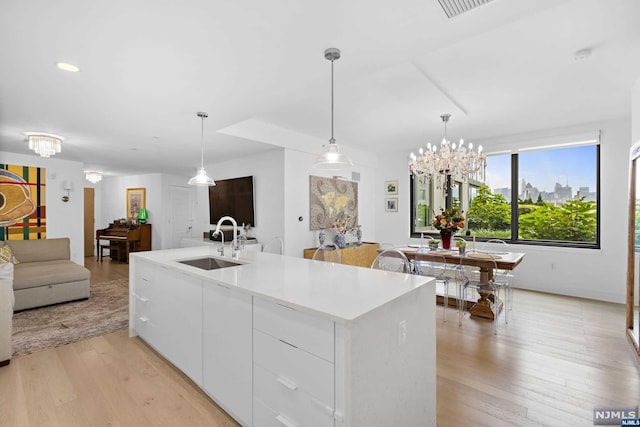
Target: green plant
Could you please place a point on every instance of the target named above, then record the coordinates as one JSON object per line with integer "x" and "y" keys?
{"x": 461, "y": 243}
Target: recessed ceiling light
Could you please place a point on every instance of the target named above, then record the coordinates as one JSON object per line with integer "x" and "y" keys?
{"x": 67, "y": 67}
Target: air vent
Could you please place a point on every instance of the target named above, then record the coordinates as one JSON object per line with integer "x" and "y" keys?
{"x": 454, "y": 8}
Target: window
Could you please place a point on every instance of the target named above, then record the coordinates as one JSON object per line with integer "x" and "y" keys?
{"x": 544, "y": 196}
{"x": 422, "y": 201}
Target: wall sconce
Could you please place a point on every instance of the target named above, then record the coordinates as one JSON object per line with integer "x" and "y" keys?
{"x": 66, "y": 186}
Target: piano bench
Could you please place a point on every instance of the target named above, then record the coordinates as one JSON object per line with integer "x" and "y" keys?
{"x": 114, "y": 252}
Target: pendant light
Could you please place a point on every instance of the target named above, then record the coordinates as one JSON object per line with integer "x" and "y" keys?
{"x": 201, "y": 178}
{"x": 332, "y": 158}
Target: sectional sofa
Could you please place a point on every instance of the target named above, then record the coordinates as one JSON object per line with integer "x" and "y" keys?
{"x": 45, "y": 273}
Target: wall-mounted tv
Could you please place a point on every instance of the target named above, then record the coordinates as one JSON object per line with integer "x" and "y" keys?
{"x": 232, "y": 197}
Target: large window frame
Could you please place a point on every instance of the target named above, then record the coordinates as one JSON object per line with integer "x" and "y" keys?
{"x": 464, "y": 189}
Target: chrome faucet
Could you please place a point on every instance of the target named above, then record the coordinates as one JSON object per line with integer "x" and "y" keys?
{"x": 234, "y": 244}
{"x": 221, "y": 248}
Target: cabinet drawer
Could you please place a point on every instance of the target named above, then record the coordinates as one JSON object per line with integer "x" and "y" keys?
{"x": 144, "y": 271}
{"x": 144, "y": 327}
{"x": 293, "y": 367}
{"x": 302, "y": 330}
{"x": 297, "y": 406}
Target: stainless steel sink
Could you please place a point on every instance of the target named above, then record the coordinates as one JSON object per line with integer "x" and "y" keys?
{"x": 209, "y": 263}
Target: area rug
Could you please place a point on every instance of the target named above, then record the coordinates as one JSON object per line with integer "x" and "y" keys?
{"x": 106, "y": 311}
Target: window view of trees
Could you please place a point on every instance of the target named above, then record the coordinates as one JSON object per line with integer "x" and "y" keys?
{"x": 556, "y": 197}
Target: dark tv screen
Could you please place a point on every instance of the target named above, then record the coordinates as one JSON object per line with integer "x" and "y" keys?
{"x": 232, "y": 197}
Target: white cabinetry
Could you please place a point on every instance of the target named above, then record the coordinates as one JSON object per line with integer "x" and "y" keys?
{"x": 293, "y": 369}
{"x": 228, "y": 350}
{"x": 288, "y": 342}
{"x": 168, "y": 313}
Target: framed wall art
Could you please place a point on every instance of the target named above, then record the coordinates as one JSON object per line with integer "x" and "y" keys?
{"x": 23, "y": 202}
{"x": 333, "y": 203}
{"x": 391, "y": 187}
{"x": 136, "y": 199}
{"x": 391, "y": 204}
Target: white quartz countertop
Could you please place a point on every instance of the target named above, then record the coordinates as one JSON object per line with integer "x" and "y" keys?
{"x": 336, "y": 291}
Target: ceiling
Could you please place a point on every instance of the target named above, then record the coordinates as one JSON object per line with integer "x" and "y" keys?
{"x": 147, "y": 68}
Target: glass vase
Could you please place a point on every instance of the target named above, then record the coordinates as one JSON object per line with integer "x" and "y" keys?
{"x": 446, "y": 239}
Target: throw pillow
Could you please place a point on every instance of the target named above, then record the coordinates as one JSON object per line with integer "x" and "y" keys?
{"x": 6, "y": 255}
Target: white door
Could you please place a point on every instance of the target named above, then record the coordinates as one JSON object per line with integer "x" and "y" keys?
{"x": 180, "y": 220}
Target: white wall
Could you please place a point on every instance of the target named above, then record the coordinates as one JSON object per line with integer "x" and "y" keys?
{"x": 598, "y": 274}
{"x": 296, "y": 200}
{"x": 63, "y": 219}
{"x": 267, "y": 169}
{"x": 635, "y": 111}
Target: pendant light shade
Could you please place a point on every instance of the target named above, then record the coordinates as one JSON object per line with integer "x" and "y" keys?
{"x": 201, "y": 178}
{"x": 332, "y": 158}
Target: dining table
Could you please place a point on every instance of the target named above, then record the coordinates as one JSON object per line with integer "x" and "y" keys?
{"x": 485, "y": 260}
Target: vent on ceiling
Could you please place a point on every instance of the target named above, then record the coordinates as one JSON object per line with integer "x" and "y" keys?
{"x": 454, "y": 8}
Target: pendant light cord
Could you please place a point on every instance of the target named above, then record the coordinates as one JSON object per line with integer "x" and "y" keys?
{"x": 332, "y": 140}
{"x": 202, "y": 142}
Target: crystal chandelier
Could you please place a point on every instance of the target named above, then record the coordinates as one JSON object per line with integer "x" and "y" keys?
{"x": 44, "y": 144}
{"x": 93, "y": 177}
{"x": 449, "y": 159}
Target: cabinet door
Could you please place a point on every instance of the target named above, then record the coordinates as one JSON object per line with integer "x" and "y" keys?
{"x": 228, "y": 350}
{"x": 179, "y": 319}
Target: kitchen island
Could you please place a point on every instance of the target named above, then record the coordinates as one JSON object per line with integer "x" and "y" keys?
{"x": 285, "y": 341}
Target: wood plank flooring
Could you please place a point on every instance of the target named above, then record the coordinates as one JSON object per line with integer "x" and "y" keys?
{"x": 556, "y": 359}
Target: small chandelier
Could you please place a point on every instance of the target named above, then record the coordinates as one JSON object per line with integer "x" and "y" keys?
{"x": 44, "y": 144}
{"x": 201, "y": 178}
{"x": 93, "y": 177}
{"x": 332, "y": 158}
{"x": 449, "y": 159}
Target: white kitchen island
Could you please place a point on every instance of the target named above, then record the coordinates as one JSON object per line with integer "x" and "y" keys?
{"x": 285, "y": 341}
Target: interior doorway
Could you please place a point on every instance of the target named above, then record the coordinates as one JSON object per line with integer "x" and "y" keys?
{"x": 180, "y": 221}
{"x": 89, "y": 222}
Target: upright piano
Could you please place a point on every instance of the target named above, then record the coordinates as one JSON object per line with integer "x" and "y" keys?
{"x": 127, "y": 237}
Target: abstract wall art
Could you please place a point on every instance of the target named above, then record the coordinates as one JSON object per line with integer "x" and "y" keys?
{"x": 22, "y": 202}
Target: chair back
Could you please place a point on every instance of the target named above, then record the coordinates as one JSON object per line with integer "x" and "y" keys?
{"x": 329, "y": 252}
{"x": 391, "y": 260}
{"x": 274, "y": 246}
{"x": 426, "y": 266}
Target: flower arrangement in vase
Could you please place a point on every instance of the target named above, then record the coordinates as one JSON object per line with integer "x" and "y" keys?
{"x": 448, "y": 222}
{"x": 341, "y": 226}
{"x": 461, "y": 245}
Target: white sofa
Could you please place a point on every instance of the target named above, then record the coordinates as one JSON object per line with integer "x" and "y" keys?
{"x": 6, "y": 312}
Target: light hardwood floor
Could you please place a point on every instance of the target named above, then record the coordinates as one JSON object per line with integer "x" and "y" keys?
{"x": 557, "y": 359}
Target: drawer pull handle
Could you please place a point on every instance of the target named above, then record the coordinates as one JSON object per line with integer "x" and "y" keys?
{"x": 287, "y": 383}
{"x": 144, "y": 319}
{"x": 285, "y": 422}
{"x": 323, "y": 407}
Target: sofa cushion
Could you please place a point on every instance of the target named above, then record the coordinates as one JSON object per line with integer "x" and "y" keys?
{"x": 6, "y": 255}
{"x": 6, "y": 271}
{"x": 34, "y": 274}
{"x": 41, "y": 249}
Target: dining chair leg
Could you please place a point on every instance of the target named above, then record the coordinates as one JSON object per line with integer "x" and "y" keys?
{"x": 461, "y": 302}
{"x": 446, "y": 300}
